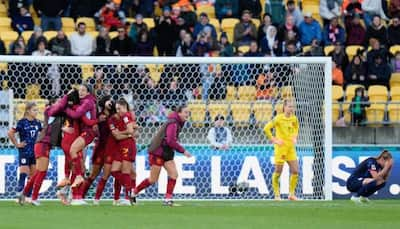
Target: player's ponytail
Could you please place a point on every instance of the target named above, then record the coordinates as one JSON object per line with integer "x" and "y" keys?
{"x": 28, "y": 107}
{"x": 385, "y": 154}
{"x": 124, "y": 103}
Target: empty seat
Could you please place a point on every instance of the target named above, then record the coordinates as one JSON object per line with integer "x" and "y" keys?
{"x": 87, "y": 71}
{"x": 231, "y": 93}
{"x": 149, "y": 22}
{"x": 215, "y": 23}
{"x": 3, "y": 10}
{"x": 215, "y": 109}
{"x": 393, "y": 49}
{"x": 375, "y": 113}
{"x": 377, "y": 93}
{"x": 27, "y": 35}
{"x": 247, "y": 93}
{"x": 8, "y": 37}
{"x": 32, "y": 92}
{"x": 335, "y": 112}
{"x": 197, "y": 112}
{"x": 395, "y": 80}
{"x": 395, "y": 94}
{"x": 351, "y": 50}
{"x": 228, "y": 25}
{"x": 206, "y": 8}
{"x": 394, "y": 113}
{"x": 50, "y": 34}
{"x": 5, "y": 24}
{"x": 68, "y": 24}
{"x": 337, "y": 92}
{"x": 328, "y": 49}
{"x": 263, "y": 111}
{"x": 241, "y": 112}
{"x": 243, "y": 48}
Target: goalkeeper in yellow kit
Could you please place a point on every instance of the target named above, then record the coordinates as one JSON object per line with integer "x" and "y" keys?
{"x": 286, "y": 127}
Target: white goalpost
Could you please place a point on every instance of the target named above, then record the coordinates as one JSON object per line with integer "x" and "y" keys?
{"x": 247, "y": 91}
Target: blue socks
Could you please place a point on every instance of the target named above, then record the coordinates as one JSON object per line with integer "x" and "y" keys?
{"x": 21, "y": 181}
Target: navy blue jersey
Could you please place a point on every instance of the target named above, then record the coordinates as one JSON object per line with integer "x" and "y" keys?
{"x": 28, "y": 132}
{"x": 363, "y": 170}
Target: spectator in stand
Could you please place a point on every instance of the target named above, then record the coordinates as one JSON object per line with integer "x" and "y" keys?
{"x": 41, "y": 49}
{"x": 166, "y": 33}
{"x": 144, "y": 46}
{"x": 379, "y": 72}
{"x": 219, "y": 85}
{"x": 213, "y": 43}
{"x": 377, "y": 49}
{"x": 371, "y": 8}
{"x": 254, "y": 6}
{"x": 329, "y": 9}
{"x": 351, "y": 8}
{"x": 288, "y": 32}
{"x": 175, "y": 13}
{"x": 81, "y": 42}
{"x": 357, "y": 108}
{"x": 201, "y": 47}
{"x": 356, "y": 72}
{"x": 394, "y": 31}
{"x": 394, "y": 8}
{"x": 143, "y": 7}
{"x": 175, "y": 94}
{"x": 32, "y": 42}
{"x": 253, "y": 51}
{"x": 181, "y": 25}
{"x": 290, "y": 49}
{"x": 110, "y": 16}
{"x": 50, "y": 12}
{"x": 219, "y": 137}
{"x": 225, "y": 48}
{"x": 122, "y": 45}
{"x": 262, "y": 29}
{"x": 376, "y": 30}
{"x": 396, "y": 62}
{"x": 184, "y": 46}
{"x": 14, "y": 6}
{"x": 245, "y": 31}
{"x": 337, "y": 74}
{"x": 270, "y": 43}
{"x": 84, "y": 8}
{"x": 339, "y": 55}
{"x": 315, "y": 50}
{"x": 355, "y": 31}
{"x": 295, "y": 12}
{"x": 20, "y": 42}
{"x": 189, "y": 15}
{"x": 19, "y": 50}
{"x": 182, "y": 34}
{"x": 226, "y": 9}
{"x": 333, "y": 32}
{"x": 137, "y": 27}
{"x": 276, "y": 8}
{"x": 103, "y": 43}
{"x": 265, "y": 84}
{"x": 201, "y": 24}
{"x": 60, "y": 45}
{"x": 23, "y": 21}
{"x": 309, "y": 30}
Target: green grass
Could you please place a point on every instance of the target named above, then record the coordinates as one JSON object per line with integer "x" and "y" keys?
{"x": 342, "y": 214}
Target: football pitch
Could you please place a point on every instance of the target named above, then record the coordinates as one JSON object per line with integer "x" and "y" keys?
{"x": 340, "y": 214}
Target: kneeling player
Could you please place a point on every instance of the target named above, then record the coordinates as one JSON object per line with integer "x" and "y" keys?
{"x": 370, "y": 176}
{"x": 161, "y": 153}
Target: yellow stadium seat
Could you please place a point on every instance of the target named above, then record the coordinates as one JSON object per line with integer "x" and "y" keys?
{"x": 256, "y": 22}
{"x": 32, "y": 92}
{"x": 394, "y": 113}
{"x": 8, "y": 37}
{"x": 215, "y": 23}
{"x": 3, "y": 67}
{"x": 208, "y": 9}
{"x": 218, "y": 109}
{"x": 5, "y": 24}
{"x": 375, "y": 114}
{"x": 263, "y": 112}
{"x": 351, "y": 50}
{"x": 197, "y": 112}
{"x": 241, "y": 112}
{"x": 50, "y": 34}
{"x": 155, "y": 71}
{"x": 87, "y": 71}
{"x": 3, "y": 10}
{"x": 377, "y": 93}
{"x": 395, "y": 93}
{"x": 228, "y": 25}
{"x": 27, "y": 35}
{"x": 306, "y": 48}
{"x": 231, "y": 93}
{"x": 90, "y": 25}
{"x": 131, "y": 20}
{"x": 113, "y": 34}
{"x": 351, "y": 90}
{"x": 337, "y": 92}
{"x": 68, "y": 24}
{"x": 328, "y": 49}
{"x": 395, "y": 80}
{"x": 393, "y": 49}
{"x": 247, "y": 93}
{"x": 69, "y": 33}
{"x": 93, "y": 34}
{"x": 335, "y": 112}
{"x": 149, "y": 22}
{"x": 243, "y": 48}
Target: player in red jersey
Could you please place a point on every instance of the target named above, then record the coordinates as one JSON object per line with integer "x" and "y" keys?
{"x": 42, "y": 151}
{"x": 87, "y": 107}
{"x": 123, "y": 131}
{"x": 107, "y": 107}
{"x": 161, "y": 152}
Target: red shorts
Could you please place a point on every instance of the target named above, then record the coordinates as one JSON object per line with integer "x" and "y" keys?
{"x": 156, "y": 160}
{"x": 66, "y": 143}
{"x": 126, "y": 153}
{"x": 98, "y": 155}
{"x": 88, "y": 136}
{"x": 111, "y": 150}
{"x": 42, "y": 150}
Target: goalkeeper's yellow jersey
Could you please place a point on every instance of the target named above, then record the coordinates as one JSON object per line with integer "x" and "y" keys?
{"x": 286, "y": 128}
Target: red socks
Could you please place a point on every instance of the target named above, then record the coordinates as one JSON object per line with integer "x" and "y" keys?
{"x": 100, "y": 188}
{"x": 117, "y": 189}
{"x": 67, "y": 169}
{"x": 29, "y": 184}
{"x": 170, "y": 188}
{"x": 146, "y": 183}
{"x": 86, "y": 185}
{"x": 38, "y": 183}
{"x": 77, "y": 162}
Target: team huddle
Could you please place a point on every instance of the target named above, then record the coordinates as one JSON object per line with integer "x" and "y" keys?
{"x": 75, "y": 121}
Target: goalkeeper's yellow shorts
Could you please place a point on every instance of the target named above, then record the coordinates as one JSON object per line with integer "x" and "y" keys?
{"x": 284, "y": 154}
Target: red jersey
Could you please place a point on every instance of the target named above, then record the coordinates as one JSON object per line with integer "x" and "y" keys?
{"x": 121, "y": 124}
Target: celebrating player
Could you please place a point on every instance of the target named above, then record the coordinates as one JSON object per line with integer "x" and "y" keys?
{"x": 370, "y": 176}
{"x": 27, "y": 128}
{"x": 286, "y": 127}
{"x": 161, "y": 152}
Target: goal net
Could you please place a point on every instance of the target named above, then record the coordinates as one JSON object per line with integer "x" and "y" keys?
{"x": 247, "y": 91}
